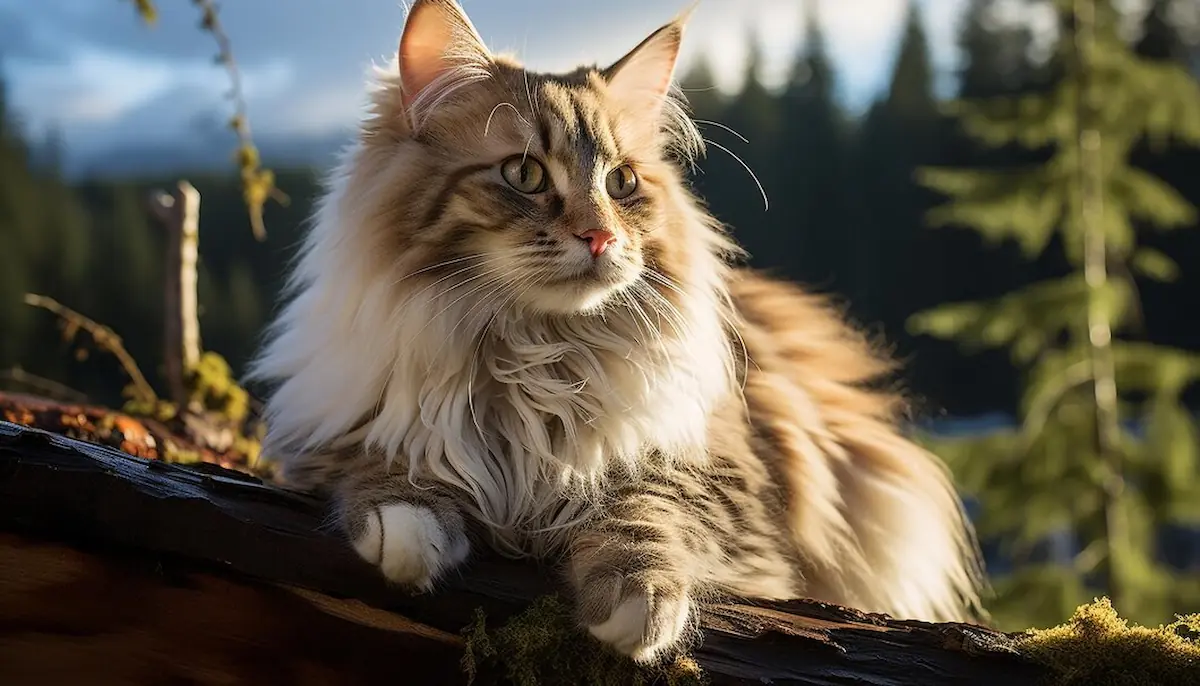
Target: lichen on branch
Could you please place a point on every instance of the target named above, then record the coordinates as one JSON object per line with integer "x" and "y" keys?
{"x": 258, "y": 182}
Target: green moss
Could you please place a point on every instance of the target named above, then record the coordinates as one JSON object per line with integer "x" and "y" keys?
{"x": 543, "y": 646}
{"x": 211, "y": 385}
{"x": 1098, "y": 648}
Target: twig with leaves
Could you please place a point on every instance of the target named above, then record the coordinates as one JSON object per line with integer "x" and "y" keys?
{"x": 258, "y": 183}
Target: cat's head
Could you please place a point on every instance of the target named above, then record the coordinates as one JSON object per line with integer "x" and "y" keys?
{"x": 554, "y": 191}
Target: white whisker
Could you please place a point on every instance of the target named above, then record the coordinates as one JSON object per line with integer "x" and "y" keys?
{"x": 744, "y": 166}
{"x": 720, "y": 125}
{"x": 488, "y": 124}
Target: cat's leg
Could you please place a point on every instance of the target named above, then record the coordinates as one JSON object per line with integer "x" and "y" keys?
{"x": 414, "y": 532}
{"x": 639, "y": 569}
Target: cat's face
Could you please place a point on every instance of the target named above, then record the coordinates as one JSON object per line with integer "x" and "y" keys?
{"x": 552, "y": 191}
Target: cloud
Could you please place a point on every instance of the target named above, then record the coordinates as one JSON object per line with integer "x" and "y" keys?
{"x": 95, "y": 87}
{"x": 93, "y": 69}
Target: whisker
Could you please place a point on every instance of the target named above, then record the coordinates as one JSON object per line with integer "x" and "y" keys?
{"x": 475, "y": 361}
{"x": 719, "y": 124}
{"x": 451, "y": 275}
{"x": 665, "y": 309}
{"x": 525, "y": 154}
{"x": 731, "y": 325}
{"x": 533, "y": 106}
{"x": 632, "y": 304}
{"x": 439, "y": 265}
{"x": 744, "y": 166}
{"x": 437, "y": 316}
{"x": 487, "y": 126}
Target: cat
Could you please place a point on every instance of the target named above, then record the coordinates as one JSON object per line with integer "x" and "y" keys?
{"x": 512, "y": 324}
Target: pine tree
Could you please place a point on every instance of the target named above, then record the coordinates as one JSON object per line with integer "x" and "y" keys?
{"x": 995, "y": 55}
{"x": 1161, "y": 39}
{"x": 738, "y": 199}
{"x": 898, "y": 134}
{"x": 959, "y": 264}
{"x": 809, "y": 168}
{"x": 1165, "y": 36}
{"x": 44, "y": 233}
{"x": 15, "y": 223}
{"x": 1105, "y": 450}
{"x": 708, "y": 108}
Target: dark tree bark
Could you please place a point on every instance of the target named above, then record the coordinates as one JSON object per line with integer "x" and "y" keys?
{"x": 104, "y": 545}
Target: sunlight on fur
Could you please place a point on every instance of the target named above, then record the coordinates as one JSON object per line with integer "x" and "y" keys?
{"x": 513, "y": 321}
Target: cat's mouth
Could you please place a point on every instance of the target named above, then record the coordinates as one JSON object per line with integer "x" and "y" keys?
{"x": 585, "y": 284}
{"x": 600, "y": 271}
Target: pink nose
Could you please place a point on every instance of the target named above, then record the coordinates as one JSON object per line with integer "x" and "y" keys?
{"x": 598, "y": 240}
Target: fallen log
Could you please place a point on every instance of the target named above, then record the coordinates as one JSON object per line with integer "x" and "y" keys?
{"x": 120, "y": 570}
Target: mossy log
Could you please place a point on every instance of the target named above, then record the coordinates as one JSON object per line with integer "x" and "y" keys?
{"x": 116, "y": 569}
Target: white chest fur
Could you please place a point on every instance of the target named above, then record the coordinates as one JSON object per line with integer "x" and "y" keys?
{"x": 528, "y": 414}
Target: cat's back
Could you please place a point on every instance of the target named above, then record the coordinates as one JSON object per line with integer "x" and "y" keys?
{"x": 874, "y": 513}
{"x": 805, "y": 338}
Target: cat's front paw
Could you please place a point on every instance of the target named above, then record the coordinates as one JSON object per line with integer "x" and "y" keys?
{"x": 410, "y": 544}
{"x": 637, "y": 618}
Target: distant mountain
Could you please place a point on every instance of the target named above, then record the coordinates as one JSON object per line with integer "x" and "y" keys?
{"x": 191, "y": 156}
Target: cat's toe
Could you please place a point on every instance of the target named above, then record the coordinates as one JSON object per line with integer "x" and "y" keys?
{"x": 643, "y": 622}
{"x": 409, "y": 544}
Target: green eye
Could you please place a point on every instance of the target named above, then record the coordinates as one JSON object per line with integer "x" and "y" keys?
{"x": 621, "y": 182}
{"x": 524, "y": 174}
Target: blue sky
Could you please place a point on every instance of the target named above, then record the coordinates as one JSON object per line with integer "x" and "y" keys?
{"x": 93, "y": 70}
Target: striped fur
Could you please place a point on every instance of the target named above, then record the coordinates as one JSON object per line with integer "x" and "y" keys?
{"x": 455, "y": 368}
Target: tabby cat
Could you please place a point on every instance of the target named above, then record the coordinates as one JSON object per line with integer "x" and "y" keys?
{"x": 513, "y": 325}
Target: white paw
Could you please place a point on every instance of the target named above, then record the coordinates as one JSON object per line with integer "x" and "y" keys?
{"x": 642, "y": 627}
{"x": 409, "y": 544}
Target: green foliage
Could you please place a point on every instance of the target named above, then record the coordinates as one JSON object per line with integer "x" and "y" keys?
{"x": 1056, "y": 473}
{"x": 544, "y": 646}
{"x": 1028, "y": 320}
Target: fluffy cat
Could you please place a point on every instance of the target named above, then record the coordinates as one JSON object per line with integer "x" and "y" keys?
{"x": 512, "y": 324}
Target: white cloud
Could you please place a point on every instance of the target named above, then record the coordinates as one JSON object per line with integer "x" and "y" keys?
{"x": 313, "y": 112}
{"x": 860, "y": 36}
{"x": 315, "y": 83}
{"x": 94, "y": 87}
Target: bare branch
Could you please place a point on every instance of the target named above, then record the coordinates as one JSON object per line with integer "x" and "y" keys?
{"x": 258, "y": 183}
{"x": 43, "y": 386}
{"x": 104, "y": 337}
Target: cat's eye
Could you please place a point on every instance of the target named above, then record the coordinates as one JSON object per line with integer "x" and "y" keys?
{"x": 524, "y": 174}
{"x": 621, "y": 182}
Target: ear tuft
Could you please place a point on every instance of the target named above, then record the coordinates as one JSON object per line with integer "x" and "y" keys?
{"x": 641, "y": 80}
{"x": 440, "y": 51}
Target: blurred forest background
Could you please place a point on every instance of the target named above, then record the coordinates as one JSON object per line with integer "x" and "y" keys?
{"x": 858, "y": 209}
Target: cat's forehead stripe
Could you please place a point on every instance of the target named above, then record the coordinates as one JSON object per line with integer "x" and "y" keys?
{"x": 575, "y": 113}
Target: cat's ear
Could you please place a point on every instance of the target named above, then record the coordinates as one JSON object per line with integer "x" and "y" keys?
{"x": 641, "y": 79}
{"x": 439, "y": 50}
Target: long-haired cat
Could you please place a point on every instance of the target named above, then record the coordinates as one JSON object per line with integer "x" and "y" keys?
{"x": 512, "y": 324}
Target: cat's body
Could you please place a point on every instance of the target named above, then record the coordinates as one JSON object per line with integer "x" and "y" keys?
{"x": 555, "y": 357}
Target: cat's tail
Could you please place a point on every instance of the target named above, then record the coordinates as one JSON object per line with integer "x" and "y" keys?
{"x": 875, "y": 516}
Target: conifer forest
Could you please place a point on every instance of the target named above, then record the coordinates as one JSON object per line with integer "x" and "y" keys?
{"x": 1029, "y": 247}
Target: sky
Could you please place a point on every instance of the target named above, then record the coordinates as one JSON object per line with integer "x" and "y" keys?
{"x": 93, "y": 71}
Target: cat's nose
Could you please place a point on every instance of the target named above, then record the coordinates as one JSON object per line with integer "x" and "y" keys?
{"x": 598, "y": 240}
